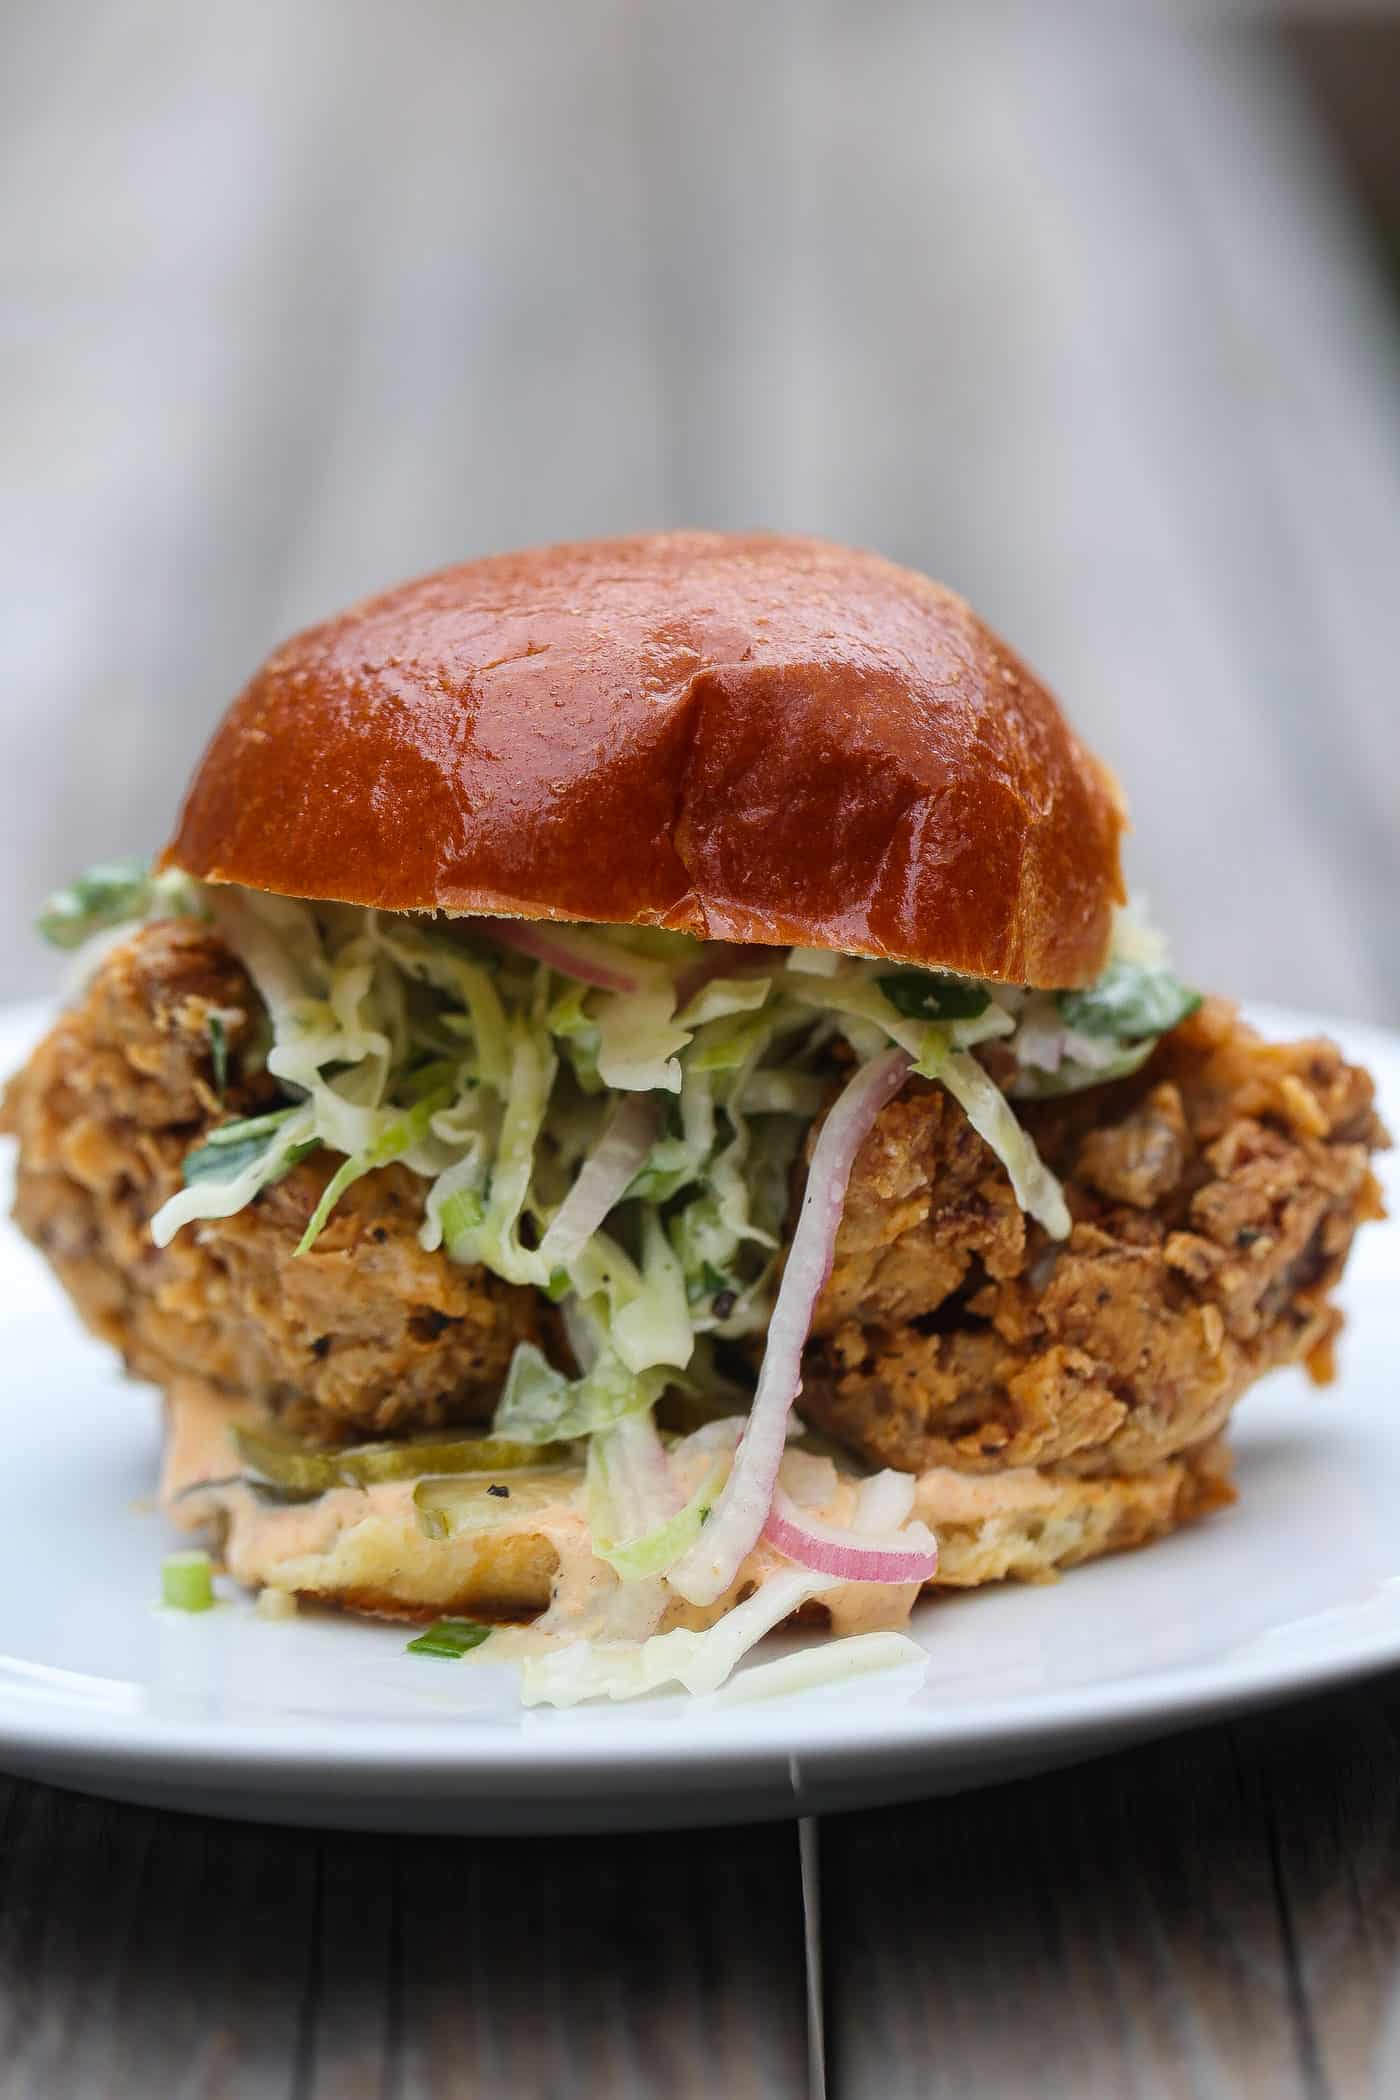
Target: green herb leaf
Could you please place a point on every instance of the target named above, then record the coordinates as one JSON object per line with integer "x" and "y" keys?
{"x": 233, "y": 1146}
{"x": 451, "y": 1638}
{"x": 109, "y": 894}
{"x": 245, "y": 1127}
{"x": 934, "y": 995}
{"x": 1128, "y": 1002}
{"x": 221, "y": 1162}
{"x": 709, "y": 1284}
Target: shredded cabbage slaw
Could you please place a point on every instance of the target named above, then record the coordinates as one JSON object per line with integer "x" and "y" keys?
{"x": 613, "y": 1115}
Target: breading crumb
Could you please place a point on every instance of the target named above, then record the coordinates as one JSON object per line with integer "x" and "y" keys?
{"x": 1215, "y": 1198}
{"x": 370, "y": 1334}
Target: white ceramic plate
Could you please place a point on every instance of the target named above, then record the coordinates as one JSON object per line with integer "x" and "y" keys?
{"x": 325, "y": 1720}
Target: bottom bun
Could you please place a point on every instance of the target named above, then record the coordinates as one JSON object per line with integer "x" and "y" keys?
{"x": 1028, "y": 1524}
{"x": 519, "y": 1552}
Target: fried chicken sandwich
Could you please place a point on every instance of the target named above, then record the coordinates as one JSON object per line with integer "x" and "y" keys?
{"x": 633, "y": 1101}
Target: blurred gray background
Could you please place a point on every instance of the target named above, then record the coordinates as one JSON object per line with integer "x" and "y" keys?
{"x": 1088, "y": 311}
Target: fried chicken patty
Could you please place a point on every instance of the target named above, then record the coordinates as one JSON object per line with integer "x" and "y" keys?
{"x": 365, "y": 1333}
{"x": 1214, "y": 1196}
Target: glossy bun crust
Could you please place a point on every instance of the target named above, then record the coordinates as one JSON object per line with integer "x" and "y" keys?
{"x": 743, "y": 737}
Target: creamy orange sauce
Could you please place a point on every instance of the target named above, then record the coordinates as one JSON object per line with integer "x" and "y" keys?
{"x": 354, "y": 1538}
{"x": 350, "y": 1537}
{"x": 945, "y": 1497}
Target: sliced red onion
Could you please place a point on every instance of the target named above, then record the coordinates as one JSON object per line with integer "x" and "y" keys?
{"x": 909, "y": 1555}
{"x": 614, "y": 1162}
{"x": 562, "y": 949}
{"x": 738, "y": 1517}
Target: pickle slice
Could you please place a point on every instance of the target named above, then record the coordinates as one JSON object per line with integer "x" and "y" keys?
{"x": 311, "y": 1469}
{"x": 447, "y": 1507}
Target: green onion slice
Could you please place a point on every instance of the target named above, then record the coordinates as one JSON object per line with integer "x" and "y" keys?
{"x": 187, "y": 1581}
{"x": 450, "y": 1638}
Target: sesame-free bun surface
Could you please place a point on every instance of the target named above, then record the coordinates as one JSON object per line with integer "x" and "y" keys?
{"x": 743, "y": 737}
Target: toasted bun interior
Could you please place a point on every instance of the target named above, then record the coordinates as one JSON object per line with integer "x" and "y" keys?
{"x": 750, "y": 738}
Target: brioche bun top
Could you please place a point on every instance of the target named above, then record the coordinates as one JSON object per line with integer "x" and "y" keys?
{"x": 744, "y": 737}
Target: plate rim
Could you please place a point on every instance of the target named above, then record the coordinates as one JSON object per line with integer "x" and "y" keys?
{"x": 587, "y": 1748}
{"x": 593, "y": 1744}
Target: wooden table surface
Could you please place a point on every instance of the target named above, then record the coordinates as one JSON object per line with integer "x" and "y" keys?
{"x": 1071, "y": 311}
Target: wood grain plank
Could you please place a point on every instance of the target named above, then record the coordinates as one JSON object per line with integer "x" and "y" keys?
{"x": 1066, "y": 310}
{"x": 143, "y": 1954}
{"x": 174, "y": 227}
{"x": 304, "y": 301}
{"x": 1029, "y": 354}
{"x": 1330, "y": 1778}
{"x": 629, "y": 1966}
{"x": 1105, "y": 1931}
{"x": 503, "y": 382}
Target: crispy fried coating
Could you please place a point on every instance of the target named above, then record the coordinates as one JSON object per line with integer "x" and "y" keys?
{"x": 1214, "y": 1196}
{"x": 365, "y": 1333}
